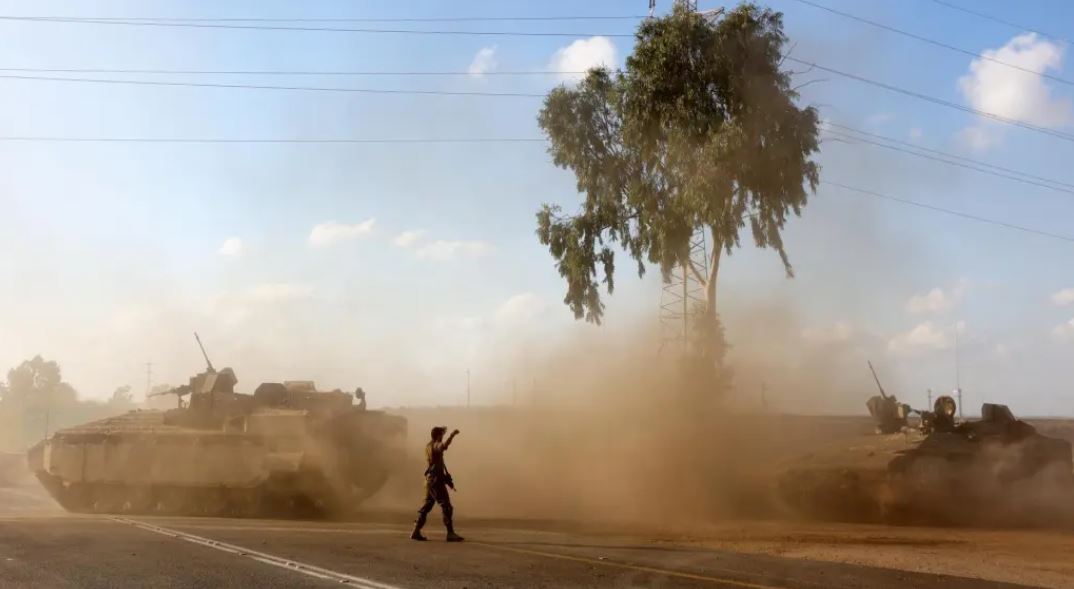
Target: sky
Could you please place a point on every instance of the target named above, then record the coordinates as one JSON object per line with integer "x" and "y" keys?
{"x": 399, "y": 267}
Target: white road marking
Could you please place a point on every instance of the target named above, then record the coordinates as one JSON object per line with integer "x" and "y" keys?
{"x": 292, "y": 565}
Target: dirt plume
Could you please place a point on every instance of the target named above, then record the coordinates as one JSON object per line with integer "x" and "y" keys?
{"x": 615, "y": 433}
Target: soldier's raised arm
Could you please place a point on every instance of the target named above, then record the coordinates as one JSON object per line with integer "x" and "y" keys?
{"x": 447, "y": 442}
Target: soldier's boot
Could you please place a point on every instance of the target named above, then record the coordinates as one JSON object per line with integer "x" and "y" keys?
{"x": 450, "y": 525}
{"x": 418, "y": 524}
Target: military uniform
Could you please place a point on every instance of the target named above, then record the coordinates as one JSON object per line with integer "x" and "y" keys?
{"x": 437, "y": 482}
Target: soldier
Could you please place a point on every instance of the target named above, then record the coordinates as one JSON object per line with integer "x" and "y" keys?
{"x": 437, "y": 482}
{"x": 944, "y": 414}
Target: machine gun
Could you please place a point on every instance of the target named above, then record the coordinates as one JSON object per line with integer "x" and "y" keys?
{"x": 179, "y": 392}
{"x": 204, "y": 384}
{"x": 890, "y": 415}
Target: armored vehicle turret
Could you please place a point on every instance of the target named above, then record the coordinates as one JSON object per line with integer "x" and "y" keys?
{"x": 287, "y": 449}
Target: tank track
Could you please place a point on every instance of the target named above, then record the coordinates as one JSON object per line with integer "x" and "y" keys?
{"x": 265, "y": 500}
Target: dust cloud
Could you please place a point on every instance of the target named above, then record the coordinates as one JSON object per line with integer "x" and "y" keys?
{"x": 616, "y": 431}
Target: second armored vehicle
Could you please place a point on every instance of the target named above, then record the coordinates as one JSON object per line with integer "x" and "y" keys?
{"x": 996, "y": 470}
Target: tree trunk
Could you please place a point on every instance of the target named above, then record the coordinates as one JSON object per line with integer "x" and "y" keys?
{"x": 713, "y": 345}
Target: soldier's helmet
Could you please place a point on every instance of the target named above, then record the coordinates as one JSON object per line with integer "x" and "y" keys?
{"x": 945, "y": 406}
{"x": 226, "y": 380}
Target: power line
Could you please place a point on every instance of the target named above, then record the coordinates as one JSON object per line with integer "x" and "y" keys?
{"x": 61, "y": 139}
{"x": 992, "y": 116}
{"x": 269, "y": 87}
{"x": 935, "y": 43}
{"x": 337, "y": 18}
{"x": 941, "y": 102}
{"x": 1014, "y": 122}
{"x": 497, "y": 140}
{"x": 949, "y": 154}
{"x": 284, "y": 72}
{"x": 194, "y": 25}
{"x": 1001, "y": 21}
{"x": 935, "y": 100}
{"x": 953, "y": 163}
{"x": 1011, "y": 174}
{"x": 952, "y": 212}
{"x": 977, "y": 165}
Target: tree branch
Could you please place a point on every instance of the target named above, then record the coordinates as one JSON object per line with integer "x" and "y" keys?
{"x": 804, "y": 84}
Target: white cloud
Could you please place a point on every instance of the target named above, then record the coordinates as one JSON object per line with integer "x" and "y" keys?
{"x": 484, "y": 61}
{"x": 979, "y": 137}
{"x": 880, "y": 118}
{"x": 839, "y": 332}
{"x": 1064, "y": 297}
{"x": 232, "y": 247}
{"x": 924, "y": 336}
{"x": 583, "y": 54}
{"x": 933, "y": 301}
{"x": 331, "y": 233}
{"x": 936, "y": 300}
{"x": 1011, "y": 93}
{"x": 281, "y": 292}
{"x": 408, "y": 238}
{"x": 1013, "y": 349}
{"x": 1002, "y": 351}
{"x": 521, "y": 308}
{"x": 1064, "y": 331}
{"x": 446, "y": 250}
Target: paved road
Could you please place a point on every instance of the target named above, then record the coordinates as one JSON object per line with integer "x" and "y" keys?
{"x": 50, "y": 549}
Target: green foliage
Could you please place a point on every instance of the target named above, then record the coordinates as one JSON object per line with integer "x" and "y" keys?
{"x": 122, "y": 396}
{"x": 34, "y": 398}
{"x": 701, "y": 131}
{"x": 37, "y": 382}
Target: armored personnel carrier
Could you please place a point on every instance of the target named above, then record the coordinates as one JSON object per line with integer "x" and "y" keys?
{"x": 286, "y": 450}
{"x": 995, "y": 470}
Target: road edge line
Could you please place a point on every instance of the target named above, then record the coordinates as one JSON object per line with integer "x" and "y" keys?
{"x": 262, "y": 557}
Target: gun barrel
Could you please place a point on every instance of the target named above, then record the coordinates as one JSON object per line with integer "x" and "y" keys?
{"x": 877, "y": 379}
{"x": 204, "y": 355}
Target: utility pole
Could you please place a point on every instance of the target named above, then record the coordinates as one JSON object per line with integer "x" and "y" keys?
{"x": 691, "y": 4}
{"x": 148, "y": 378}
{"x": 682, "y": 299}
{"x": 929, "y": 406}
{"x": 958, "y": 382}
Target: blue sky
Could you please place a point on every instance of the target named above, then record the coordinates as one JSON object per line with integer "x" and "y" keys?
{"x": 114, "y": 253}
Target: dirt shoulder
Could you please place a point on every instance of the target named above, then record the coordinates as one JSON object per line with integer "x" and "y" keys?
{"x": 1038, "y": 558}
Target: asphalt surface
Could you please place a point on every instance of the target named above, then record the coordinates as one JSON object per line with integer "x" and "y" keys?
{"x": 42, "y": 547}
